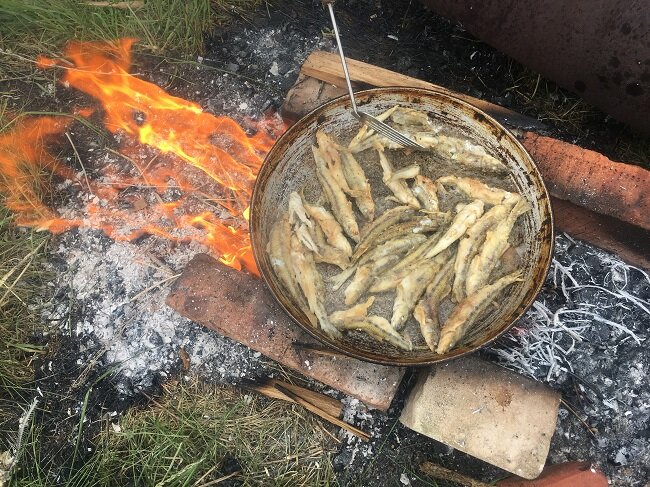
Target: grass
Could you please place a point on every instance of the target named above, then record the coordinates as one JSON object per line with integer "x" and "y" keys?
{"x": 42, "y": 27}
{"x": 21, "y": 282}
{"x": 197, "y": 434}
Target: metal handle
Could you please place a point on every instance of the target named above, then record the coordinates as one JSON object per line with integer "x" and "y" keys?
{"x": 345, "y": 66}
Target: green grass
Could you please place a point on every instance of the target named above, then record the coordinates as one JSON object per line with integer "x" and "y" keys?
{"x": 21, "y": 283}
{"x": 196, "y": 434}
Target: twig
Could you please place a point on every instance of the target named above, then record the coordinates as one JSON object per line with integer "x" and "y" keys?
{"x": 22, "y": 261}
{"x": 221, "y": 479}
{"x": 12, "y": 459}
{"x": 135, "y": 4}
{"x": 154, "y": 286}
{"x": 316, "y": 410}
{"x": 438, "y": 472}
{"x": 584, "y": 423}
{"x": 83, "y": 169}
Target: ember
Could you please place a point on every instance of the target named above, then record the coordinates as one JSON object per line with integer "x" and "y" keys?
{"x": 174, "y": 199}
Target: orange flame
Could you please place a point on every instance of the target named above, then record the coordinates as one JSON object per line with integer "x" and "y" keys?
{"x": 208, "y": 162}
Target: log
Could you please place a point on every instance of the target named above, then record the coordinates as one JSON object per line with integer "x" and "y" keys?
{"x": 326, "y": 66}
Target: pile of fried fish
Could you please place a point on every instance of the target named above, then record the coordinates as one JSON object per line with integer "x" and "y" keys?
{"x": 414, "y": 249}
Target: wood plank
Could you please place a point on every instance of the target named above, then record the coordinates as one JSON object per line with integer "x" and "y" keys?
{"x": 326, "y": 66}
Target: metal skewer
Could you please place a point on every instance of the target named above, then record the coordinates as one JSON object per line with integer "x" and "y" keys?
{"x": 377, "y": 125}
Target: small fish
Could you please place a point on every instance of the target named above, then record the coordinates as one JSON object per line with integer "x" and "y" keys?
{"x": 328, "y": 149}
{"x": 465, "y": 218}
{"x": 425, "y": 190}
{"x": 411, "y": 288}
{"x": 496, "y": 243}
{"x": 395, "y": 247}
{"x": 366, "y": 132}
{"x": 279, "y": 251}
{"x": 365, "y": 275}
{"x": 341, "y": 207}
{"x": 326, "y": 253}
{"x": 413, "y": 119}
{"x": 399, "y": 188}
{"x": 353, "y": 314}
{"x": 462, "y": 151}
{"x": 311, "y": 283}
{"x": 478, "y": 190}
{"x": 331, "y": 228}
{"x": 426, "y": 311}
{"x": 379, "y": 328}
{"x": 468, "y": 311}
{"x": 469, "y": 246}
{"x": 373, "y": 230}
{"x": 412, "y": 260}
{"x": 357, "y": 181}
{"x": 408, "y": 172}
{"x": 297, "y": 211}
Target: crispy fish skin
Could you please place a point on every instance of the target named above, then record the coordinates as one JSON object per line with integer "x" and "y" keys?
{"x": 496, "y": 243}
{"x": 408, "y": 172}
{"x": 330, "y": 227}
{"x": 330, "y": 153}
{"x": 462, "y": 151}
{"x": 297, "y": 211}
{"x": 353, "y": 314}
{"x": 305, "y": 237}
{"x": 425, "y": 190}
{"x": 426, "y": 311}
{"x": 411, "y": 288}
{"x": 341, "y": 207}
{"x": 469, "y": 246}
{"x": 478, "y": 190}
{"x": 410, "y": 117}
{"x": 399, "y": 188}
{"x": 311, "y": 283}
{"x": 378, "y": 327}
{"x": 279, "y": 250}
{"x": 465, "y": 218}
{"x": 467, "y": 311}
{"x": 358, "y": 182}
{"x": 364, "y": 276}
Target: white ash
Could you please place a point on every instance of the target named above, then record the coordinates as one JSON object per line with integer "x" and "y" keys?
{"x": 586, "y": 335}
{"x": 112, "y": 299}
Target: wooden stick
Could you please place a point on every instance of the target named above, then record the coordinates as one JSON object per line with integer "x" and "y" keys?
{"x": 326, "y": 66}
{"x": 326, "y": 403}
{"x": 438, "y": 472}
{"x": 319, "y": 412}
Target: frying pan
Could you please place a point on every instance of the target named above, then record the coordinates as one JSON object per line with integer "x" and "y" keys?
{"x": 289, "y": 166}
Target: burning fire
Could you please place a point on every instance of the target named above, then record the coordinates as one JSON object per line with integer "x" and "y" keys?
{"x": 180, "y": 173}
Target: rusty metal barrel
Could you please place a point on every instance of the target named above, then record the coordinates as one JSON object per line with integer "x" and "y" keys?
{"x": 599, "y": 49}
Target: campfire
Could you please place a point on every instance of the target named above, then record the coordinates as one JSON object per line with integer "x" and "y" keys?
{"x": 161, "y": 166}
{"x": 163, "y": 192}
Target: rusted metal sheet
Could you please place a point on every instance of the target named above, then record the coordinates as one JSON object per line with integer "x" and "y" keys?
{"x": 239, "y": 306}
{"x": 599, "y": 49}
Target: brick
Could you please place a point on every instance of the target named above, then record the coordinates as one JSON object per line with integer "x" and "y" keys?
{"x": 240, "y": 306}
{"x": 486, "y": 411}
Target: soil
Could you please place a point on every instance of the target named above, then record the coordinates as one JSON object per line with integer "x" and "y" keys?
{"x": 111, "y": 327}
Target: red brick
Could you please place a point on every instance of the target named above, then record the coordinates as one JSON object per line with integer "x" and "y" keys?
{"x": 240, "y": 306}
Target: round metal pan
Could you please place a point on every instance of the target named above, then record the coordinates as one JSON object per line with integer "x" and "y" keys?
{"x": 289, "y": 166}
